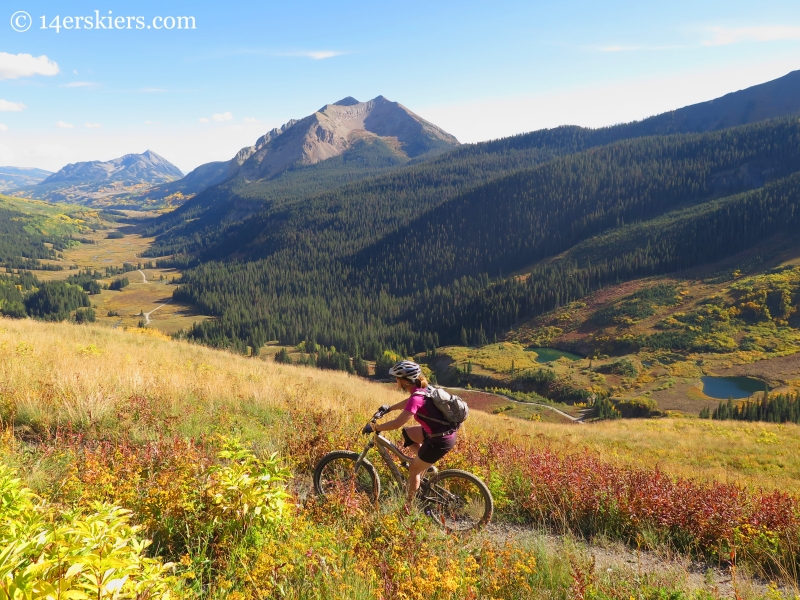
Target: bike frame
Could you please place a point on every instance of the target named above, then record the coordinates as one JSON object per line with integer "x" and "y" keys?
{"x": 384, "y": 447}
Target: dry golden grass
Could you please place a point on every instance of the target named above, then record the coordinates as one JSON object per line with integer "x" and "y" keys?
{"x": 52, "y": 374}
{"x": 103, "y": 253}
{"x": 153, "y": 298}
{"x": 146, "y": 293}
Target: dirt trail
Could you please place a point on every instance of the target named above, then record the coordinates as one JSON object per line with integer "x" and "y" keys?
{"x": 578, "y": 420}
{"x": 144, "y": 277}
{"x": 609, "y": 557}
{"x": 147, "y": 315}
{"x": 615, "y": 556}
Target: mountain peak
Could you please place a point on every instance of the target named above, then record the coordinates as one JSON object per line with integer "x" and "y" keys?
{"x": 147, "y": 167}
{"x": 335, "y": 129}
{"x": 349, "y": 101}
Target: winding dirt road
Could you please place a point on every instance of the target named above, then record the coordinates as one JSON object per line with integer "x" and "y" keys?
{"x": 147, "y": 315}
{"x": 578, "y": 420}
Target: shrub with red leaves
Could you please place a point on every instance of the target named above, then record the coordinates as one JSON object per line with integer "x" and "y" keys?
{"x": 587, "y": 495}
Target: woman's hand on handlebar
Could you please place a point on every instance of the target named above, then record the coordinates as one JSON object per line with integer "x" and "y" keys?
{"x": 367, "y": 429}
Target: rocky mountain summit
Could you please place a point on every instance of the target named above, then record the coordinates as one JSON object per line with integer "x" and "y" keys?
{"x": 147, "y": 167}
{"x": 334, "y": 130}
{"x": 104, "y": 183}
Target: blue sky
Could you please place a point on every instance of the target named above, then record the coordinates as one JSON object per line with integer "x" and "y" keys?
{"x": 480, "y": 70}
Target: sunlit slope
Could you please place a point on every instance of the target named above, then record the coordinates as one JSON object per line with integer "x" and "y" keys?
{"x": 103, "y": 381}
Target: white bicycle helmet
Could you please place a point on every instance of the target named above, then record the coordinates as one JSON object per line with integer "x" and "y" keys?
{"x": 406, "y": 369}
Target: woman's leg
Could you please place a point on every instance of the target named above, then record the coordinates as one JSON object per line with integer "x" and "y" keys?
{"x": 415, "y": 471}
{"x": 415, "y": 435}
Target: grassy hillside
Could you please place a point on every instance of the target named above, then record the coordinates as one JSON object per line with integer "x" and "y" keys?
{"x": 32, "y": 231}
{"x": 151, "y": 424}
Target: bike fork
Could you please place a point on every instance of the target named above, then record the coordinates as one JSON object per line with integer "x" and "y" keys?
{"x": 361, "y": 456}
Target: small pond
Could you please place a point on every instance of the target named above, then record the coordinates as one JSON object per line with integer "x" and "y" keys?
{"x": 737, "y": 388}
{"x": 545, "y": 355}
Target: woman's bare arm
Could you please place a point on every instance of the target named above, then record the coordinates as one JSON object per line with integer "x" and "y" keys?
{"x": 396, "y": 423}
{"x": 397, "y": 406}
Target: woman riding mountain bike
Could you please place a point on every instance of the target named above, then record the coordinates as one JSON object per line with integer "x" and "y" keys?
{"x": 432, "y": 438}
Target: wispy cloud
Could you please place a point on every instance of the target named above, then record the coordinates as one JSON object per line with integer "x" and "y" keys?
{"x": 3, "y": 127}
{"x": 93, "y": 125}
{"x": 313, "y": 54}
{"x": 619, "y": 48}
{"x": 722, "y": 36}
{"x": 63, "y": 125}
{"x": 79, "y": 84}
{"x": 14, "y": 66}
{"x": 6, "y": 106}
{"x": 250, "y": 120}
{"x": 218, "y": 117}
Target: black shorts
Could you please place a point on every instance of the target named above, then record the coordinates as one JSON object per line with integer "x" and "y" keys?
{"x": 434, "y": 448}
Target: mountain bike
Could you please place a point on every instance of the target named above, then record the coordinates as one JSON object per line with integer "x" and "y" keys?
{"x": 454, "y": 499}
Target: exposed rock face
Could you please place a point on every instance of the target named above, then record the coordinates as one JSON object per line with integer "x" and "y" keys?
{"x": 147, "y": 167}
{"x": 332, "y": 130}
{"x": 246, "y": 152}
{"x": 329, "y": 132}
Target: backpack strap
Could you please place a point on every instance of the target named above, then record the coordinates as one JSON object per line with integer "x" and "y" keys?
{"x": 427, "y": 418}
{"x": 442, "y": 434}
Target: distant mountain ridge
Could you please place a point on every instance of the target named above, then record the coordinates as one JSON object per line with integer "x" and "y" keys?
{"x": 777, "y": 98}
{"x": 12, "y": 178}
{"x": 104, "y": 183}
{"x": 147, "y": 167}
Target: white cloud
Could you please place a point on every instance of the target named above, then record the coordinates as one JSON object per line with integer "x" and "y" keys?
{"x": 204, "y": 119}
{"x": 74, "y": 71}
{"x": 13, "y": 66}
{"x": 62, "y": 125}
{"x": 250, "y": 120}
{"x": 79, "y": 84}
{"x": 314, "y": 54}
{"x": 226, "y": 116}
{"x": 323, "y": 54}
{"x": 721, "y": 36}
{"x": 93, "y": 125}
{"x": 3, "y": 127}
{"x": 6, "y": 106}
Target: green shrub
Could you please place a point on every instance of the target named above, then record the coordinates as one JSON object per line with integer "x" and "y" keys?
{"x": 637, "y": 408}
{"x": 51, "y": 553}
{"x": 624, "y": 367}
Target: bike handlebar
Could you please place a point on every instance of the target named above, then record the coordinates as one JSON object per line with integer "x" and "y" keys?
{"x": 378, "y": 414}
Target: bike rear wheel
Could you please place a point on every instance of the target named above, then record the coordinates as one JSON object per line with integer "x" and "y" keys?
{"x": 457, "y": 500}
{"x": 336, "y": 473}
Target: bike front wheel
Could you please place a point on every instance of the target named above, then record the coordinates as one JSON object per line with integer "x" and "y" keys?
{"x": 336, "y": 473}
{"x": 457, "y": 500}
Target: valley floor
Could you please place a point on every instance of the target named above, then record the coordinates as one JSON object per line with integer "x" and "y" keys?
{"x": 148, "y": 298}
